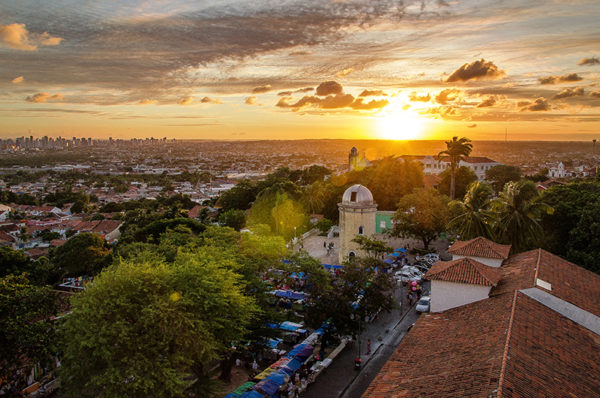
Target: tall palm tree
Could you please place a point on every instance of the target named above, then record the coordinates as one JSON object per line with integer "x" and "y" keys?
{"x": 472, "y": 217}
{"x": 517, "y": 211}
{"x": 456, "y": 150}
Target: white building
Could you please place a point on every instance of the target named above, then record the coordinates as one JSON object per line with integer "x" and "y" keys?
{"x": 558, "y": 171}
{"x": 469, "y": 276}
{"x": 431, "y": 165}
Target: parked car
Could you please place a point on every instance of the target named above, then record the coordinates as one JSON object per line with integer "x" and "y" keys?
{"x": 423, "y": 304}
{"x": 407, "y": 275}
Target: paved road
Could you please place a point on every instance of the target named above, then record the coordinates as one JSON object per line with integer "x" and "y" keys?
{"x": 340, "y": 379}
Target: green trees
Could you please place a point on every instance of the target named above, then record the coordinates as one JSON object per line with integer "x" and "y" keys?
{"x": 518, "y": 211}
{"x": 422, "y": 214}
{"x": 141, "y": 328}
{"x": 456, "y": 150}
{"x": 83, "y": 254}
{"x": 27, "y": 335}
{"x": 464, "y": 177}
{"x": 502, "y": 174}
{"x": 233, "y": 218}
{"x": 583, "y": 247}
{"x": 471, "y": 217}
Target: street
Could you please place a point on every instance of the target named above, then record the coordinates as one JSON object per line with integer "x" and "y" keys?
{"x": 340, "y": 379}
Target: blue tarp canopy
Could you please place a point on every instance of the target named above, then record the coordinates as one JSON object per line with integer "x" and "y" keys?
{"x": 292, "y": 366}
{"x": 329, "y": 266}
{"x": 278, "y": 377}
{"x": 267, "y": 385}
{"x": 272, "y": 325}
{"x": 290, "y": 326}
{"x": 388, "y": 261}
{"x": 297, "y": 275}
{"x": 289, "y": 294}
{"x": 273, "y": 343}
{"x": 395, "y": 254}
{"x": 401, "y": 250}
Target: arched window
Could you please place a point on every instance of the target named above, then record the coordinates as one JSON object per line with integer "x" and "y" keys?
{"x": 361, "y": 230}
{"x": 352, "y": 196}
{"x": 351, "y": 257}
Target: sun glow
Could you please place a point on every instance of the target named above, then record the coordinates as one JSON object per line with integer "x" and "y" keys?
{"x": 396, "y": 123}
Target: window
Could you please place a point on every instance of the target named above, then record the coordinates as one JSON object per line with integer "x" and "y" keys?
{"x": 351, "y": 256}
{"x": 352, "y": 196}
{"x": 382, "y": 224}
{"x": 361, "y": 230}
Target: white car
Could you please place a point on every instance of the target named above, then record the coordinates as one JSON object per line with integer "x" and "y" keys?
{"x": 423, "y": 304}
{"x": 406, "y": 276}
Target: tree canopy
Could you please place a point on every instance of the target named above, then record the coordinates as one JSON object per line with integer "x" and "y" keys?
{"x": 422, "y": 214}
{"x": 83, "y": 254}
{"x": 463, "y": 177}
{"x": 141, "y": 328}
{"x": 502, "y": 174}
{"x": 456, "y": 150}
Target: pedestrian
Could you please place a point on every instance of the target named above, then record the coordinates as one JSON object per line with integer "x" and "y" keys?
{"x": 368, "y": 346}
{"x": 238, "y": 363}
{"x": 325, "y": 244}
{"x": 255, "y": 366}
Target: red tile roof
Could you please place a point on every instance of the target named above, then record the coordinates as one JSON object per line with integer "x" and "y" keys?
{"x": 508, "y": 345}
{"x": 480, "y": 247}
{"x": 464, "y": 270}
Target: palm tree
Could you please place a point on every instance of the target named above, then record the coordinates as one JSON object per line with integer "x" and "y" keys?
{"x": 472, "y": 217}
{"x": 456, "y": 150}
{"x": 517, "y": 210}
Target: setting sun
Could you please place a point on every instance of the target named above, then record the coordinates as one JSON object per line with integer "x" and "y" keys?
{"x": 400, "y": 124}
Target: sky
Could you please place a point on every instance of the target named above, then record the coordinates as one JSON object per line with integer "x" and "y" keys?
{"x": 286, "y": 69}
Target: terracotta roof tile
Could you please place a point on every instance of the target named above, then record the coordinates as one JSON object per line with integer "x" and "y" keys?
{"x": 464, "y": 270}
{"x": 480, "y": 247}
{"x": 549, "y": 355}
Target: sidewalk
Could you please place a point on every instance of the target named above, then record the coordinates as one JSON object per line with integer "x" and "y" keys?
{"x": 385, "y": 334}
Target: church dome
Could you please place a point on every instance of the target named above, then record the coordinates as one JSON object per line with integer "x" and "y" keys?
{"x": 358, "y": 195}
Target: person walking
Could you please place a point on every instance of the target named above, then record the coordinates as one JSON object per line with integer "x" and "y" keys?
{"x": 368, "y": 346}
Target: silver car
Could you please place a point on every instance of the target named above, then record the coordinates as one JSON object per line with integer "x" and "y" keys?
{"x": 423, "y": 304}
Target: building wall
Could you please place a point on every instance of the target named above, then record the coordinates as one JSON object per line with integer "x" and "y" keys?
{"x": 492, "y": 262}
{"x": 383, "y": 221}
{"x": 446, "y": 295}
{"x": 351, "y": 218}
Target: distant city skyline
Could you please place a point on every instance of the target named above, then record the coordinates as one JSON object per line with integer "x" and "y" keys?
{"x": 339, "y": 69}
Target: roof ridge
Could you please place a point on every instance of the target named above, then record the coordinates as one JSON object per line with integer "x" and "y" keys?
{"x": 506, "y": 345}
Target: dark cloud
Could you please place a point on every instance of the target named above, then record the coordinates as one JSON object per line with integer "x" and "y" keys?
{"x": 540, "y": 104}
{"x": 304, "y": 90}
{"x": 185, "y": 101}
{"x": 571, "y": 77}
{"x": 490, "y": 101}
{"x": 336, "y": 101}
{"x": 208, "y": 100}
{"x": 476, "y": 70}
{"x": 284, "y": 93}
{"x": 446, "y": 96}
{"x": 471, "y": 126}
{"x": 329, "y": 87}
{"x": 419, "y": 98}
{"x": 589, "y": 61}
{"x": 261, "y": 89}
{"x": 521, "y": 104}
{"x": 570, "y": 92}
{"x": 43, "y": 97}
{"x": 595, "y": 94}
{"x": 372, "y": 93}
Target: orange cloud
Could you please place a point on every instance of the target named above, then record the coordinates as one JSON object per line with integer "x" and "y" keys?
{"x": 43, "y": 97}
{"x": 208, "y": 100}
{"x": 261, "y": 89}
{"x": 18, "y": 79}
{"x": 147, "y": 102}
{"x": 571, "y": 77}
{"x": 329, "y": 87}
{"x": 476, "y": 70}
{"x": 448, "y": 95}
{"x": 419, "y": 98}
{"x": 17, "y": 37}
{"x": 186, "y": 101}
{"x": 250, "y": 100}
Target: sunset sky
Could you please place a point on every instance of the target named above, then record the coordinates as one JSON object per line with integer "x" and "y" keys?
{"x": 285, "y": 69}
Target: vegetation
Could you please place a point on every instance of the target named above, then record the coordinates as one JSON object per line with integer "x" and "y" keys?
{"x": 423, "y": 215}
{"x": 502, "y": 174}
{"x": 165, "y": 322}
{"x": 464, "y": 177}
{"x": 456, "y": 150}
{"x": 518, "y": 210}
{"x": 472, "y": 217}
{"x": 27, "y": 335}
{"x": 83, "y": 254}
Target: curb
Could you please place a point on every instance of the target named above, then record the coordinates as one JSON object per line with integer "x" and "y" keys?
{"x": 373, "y": 354}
